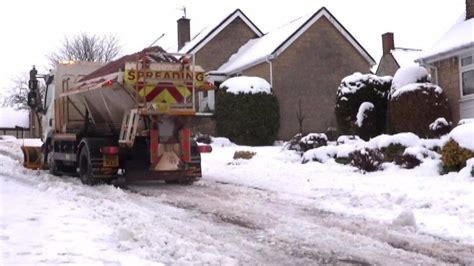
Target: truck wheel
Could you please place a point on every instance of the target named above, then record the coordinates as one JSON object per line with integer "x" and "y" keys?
{"x": 85, "y": 167}
{"x": 53, "y": 165}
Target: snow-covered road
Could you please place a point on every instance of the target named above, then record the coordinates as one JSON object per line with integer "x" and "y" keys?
{"x": 50, "y": 220}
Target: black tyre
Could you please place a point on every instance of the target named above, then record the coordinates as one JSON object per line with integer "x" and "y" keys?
{"x": 85, "y": 167}
{"x": 53, "y": 165}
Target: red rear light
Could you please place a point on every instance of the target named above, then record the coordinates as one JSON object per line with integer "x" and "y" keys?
{"x": 108, "y": 83}
{"x": 205, "y": 149}
{"x": 109, "y": 150}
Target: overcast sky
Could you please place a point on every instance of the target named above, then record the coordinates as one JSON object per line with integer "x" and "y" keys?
{"x": 31, "y": 29}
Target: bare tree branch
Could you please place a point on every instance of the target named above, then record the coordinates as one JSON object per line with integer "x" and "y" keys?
{"x": 17, "y": 94}
{"x": 85, "y": 47}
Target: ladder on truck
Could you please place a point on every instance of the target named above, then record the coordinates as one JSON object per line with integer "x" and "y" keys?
{"x": 128, "y": 130}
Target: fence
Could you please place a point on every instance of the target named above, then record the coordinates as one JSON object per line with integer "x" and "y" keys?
{"x": 18, "y": 132}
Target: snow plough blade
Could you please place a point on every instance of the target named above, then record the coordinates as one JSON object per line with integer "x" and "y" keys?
{"x": 33, "y": 157}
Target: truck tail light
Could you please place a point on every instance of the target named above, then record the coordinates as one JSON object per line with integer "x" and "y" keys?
{"x": 109, "y": 150}
{"x": 205, "y": 148}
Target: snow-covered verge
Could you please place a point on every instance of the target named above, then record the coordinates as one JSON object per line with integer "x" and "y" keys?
{"x": 442, "y": 205}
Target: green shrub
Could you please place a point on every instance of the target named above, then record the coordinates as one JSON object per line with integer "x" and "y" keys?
{"x": 247, "y": 119}
{"x": 414, "y": 107}
{"x": 343, "y": 160}
{"x": 454, "y": 157}
{"x": 393, "y": 152}
{"x": 246, "y": 155}
{"x": 352, "y": 92}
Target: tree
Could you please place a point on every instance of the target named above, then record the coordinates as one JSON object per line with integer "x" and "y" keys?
{"x": 85, "y": 47}
{"x": 17, "y": 95}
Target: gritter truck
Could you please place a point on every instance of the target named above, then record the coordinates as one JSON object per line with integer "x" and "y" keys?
{"x": 130, "y": 117}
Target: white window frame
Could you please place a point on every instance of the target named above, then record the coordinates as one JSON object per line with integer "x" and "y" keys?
{"x": 464, "y": 69}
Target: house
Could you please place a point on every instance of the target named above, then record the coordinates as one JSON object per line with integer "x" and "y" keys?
{"x": 15, "y": 122}
{"x": 304, "y": 61}
{"x": 451, "y": 61}
{"x": 213, "y": 45}
{"x": 393, "y": 57}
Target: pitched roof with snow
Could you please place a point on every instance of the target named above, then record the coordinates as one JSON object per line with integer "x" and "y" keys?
{"x": 459, "y": 37}
{"x": 208, "y": 33}
{"x": 153, "y": 54}
{"x": 275, "y": 42}
{"x": 406, "y": 56}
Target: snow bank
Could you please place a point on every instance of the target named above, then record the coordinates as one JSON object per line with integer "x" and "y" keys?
{"x": 466, "y": 121}
{"x": 245, "y": 84}
{"x": 406, "y": 139}
{"x": 464, "y": 135}
{"x": 408, "y": 75}
{"x": 221, "y": 142}
{"x": 348, "y": 139}
{"x": 361, "y": 114}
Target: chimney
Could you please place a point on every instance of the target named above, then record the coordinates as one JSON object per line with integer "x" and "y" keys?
{"x": 184, "y": 32}
{"x": 469, "y": 9}
{"x": 387, "y": 42}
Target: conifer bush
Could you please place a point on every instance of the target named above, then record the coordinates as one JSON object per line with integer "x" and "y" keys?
{"x": 355, "y": 90}
{"x": 414, "y": 107}
{"x": 247, "y": 118}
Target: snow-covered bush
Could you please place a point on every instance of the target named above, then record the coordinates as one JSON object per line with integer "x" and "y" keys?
{"x": 294, "y": 143}
{"x": 247, "y": 112}
{"x": 312, "y": 141}
{"x": 367, "y": 160}
{"x": 440, "y": 127}
{"x": 302, "y": 143}
{"x": 353, "y": 91}
{"x": 415, "y": 104}
{"x": 459, "y": 148}
{"x": 365, "y": 121}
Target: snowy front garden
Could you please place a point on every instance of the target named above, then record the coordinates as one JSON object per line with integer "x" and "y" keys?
{"x": 421, "y": 181}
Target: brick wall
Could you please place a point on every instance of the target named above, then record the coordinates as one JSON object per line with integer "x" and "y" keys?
{"x": 261, "y": 70}
{"x": 387, "y": 66}
{"x": 311, "y": 69}
{"x": 224, "y": 44}
{"x": 448, "y": 79}
{"x": 469, "y": 9}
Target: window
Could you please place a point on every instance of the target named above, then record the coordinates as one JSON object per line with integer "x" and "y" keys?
{"x": 467, "y": 76}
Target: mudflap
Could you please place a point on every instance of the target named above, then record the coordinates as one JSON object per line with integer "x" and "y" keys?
{"x": 33, "y": 157}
